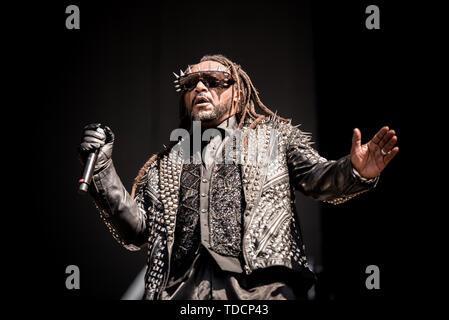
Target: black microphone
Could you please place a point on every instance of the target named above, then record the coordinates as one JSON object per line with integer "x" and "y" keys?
{"x": 86, "y": 177}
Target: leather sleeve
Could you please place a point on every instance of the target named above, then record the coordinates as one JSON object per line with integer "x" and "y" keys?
{"x": 124, "y": 216}
{"x": 333, "y": 181}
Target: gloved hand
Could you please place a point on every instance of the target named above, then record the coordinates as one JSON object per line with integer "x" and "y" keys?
{"x": 97, "y": 137}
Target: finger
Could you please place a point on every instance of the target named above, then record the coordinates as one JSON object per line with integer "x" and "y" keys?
{"x": 386, "y": 138}
{"x": 88, "y": 146}
{"x": 94, "y": 140}
{"x": 95, "y": 134}
{"x": 391, "y": 155}
{"x": 92, "y": 126}
{"x": 379, "y": 135}
{"x": 356, "y": 138}
{"x": 109, "y": 133}
{"x": 390, "y": 144}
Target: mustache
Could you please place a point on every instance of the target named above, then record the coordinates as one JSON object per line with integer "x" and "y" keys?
{"x": 201, "y": 95}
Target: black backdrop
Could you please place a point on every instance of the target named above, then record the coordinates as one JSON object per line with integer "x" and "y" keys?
{"x": 312, "y": 61}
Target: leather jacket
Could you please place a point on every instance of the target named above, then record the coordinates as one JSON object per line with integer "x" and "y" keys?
{"x": 277, "y": 160}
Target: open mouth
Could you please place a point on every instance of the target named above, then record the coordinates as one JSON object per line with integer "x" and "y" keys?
{"x": 201, "y": 101}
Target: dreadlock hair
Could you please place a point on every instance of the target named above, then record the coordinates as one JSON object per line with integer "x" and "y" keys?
{"x": 246, "y": 110}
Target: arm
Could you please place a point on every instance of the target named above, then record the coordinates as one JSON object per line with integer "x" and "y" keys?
{"x": 340, "y": 180}
{"x": 332, "y": 181}
{"x": 125, "y": 217}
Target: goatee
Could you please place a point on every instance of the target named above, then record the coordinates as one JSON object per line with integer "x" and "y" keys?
{"x": 209, "y": 115}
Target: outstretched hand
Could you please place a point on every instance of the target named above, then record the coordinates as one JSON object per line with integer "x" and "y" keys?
{"x": 371, "y": 158}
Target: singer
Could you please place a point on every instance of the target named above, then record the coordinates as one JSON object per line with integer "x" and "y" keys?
{"x": 218, "y": 215}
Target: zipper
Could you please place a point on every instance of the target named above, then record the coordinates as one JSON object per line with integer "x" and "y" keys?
{"x": 156, "y": 242}
{"x": 154, "y": 246}
{"x": 167, "y": 274}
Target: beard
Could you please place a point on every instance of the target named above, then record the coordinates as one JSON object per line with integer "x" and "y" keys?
{"x": 209, "y": 115}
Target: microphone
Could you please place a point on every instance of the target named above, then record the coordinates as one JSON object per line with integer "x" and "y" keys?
{"x": 86, "y": 177}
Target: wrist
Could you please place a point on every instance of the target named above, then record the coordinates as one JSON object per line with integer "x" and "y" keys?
{"x": 102, "y": 165}
{"x": 362, "y": 178}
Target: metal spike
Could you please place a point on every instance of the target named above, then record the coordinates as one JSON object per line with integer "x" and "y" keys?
{"x": 181, "y": 73}
{"x": 176, "y": 81}
{"x": 218, "y": 68}
{"x": 177, "y": 86}
{"x": 176, "y": 75}
{"x": 177, "y": 90}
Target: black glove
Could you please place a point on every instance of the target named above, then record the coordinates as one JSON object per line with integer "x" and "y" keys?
{"x": 95, "y": 137}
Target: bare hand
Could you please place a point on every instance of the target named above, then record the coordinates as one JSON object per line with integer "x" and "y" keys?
{"x": 371, "y": 158}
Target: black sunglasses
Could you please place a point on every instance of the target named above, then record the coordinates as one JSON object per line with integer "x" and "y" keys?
{"x": 211, "y": 79}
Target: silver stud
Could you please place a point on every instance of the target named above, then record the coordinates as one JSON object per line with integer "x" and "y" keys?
{"x": 218, "y": 68}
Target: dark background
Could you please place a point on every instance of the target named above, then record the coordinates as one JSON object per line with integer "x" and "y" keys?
{"x": 313, "y": 61}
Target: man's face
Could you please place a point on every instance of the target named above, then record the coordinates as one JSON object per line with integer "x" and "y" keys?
{"x": 211, "y": 106}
